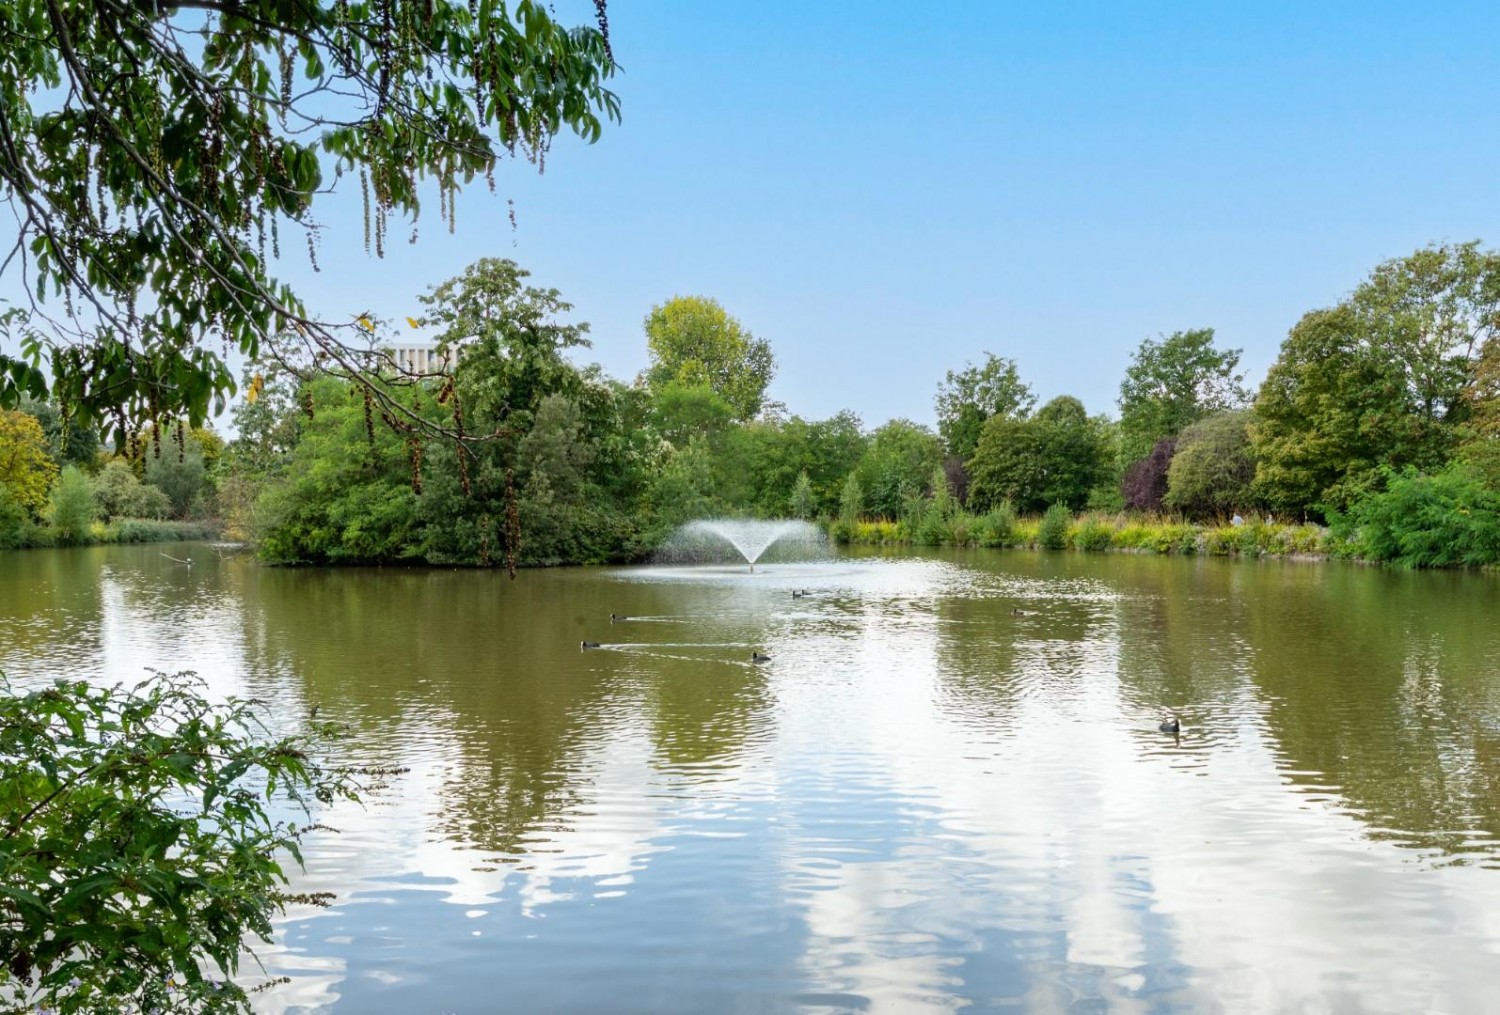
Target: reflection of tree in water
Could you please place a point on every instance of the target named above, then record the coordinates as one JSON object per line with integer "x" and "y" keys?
{"x": 461, "y": 665}
{"x": 702, "y": 711}
{"x": 989, "y": 657}
{"x": 51, "y": 612}
{"x": 1389, "y": 685}
{"x": 1181, "y": 639}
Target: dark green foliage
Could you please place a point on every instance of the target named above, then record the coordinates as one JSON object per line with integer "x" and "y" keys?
{"x": 969, "y": 397}
{"x": 1212, "y": 470}
{"x": 12, "y": 521}
{"x": 1385, "y": 380}
{"x": 897, "y": 465}
{"x": 1447, "y": 519}
{"x": 1052, "y": 534}
{"x": 342, "y": 497}
{"x": 138, "y": 848}
{"x": 1056, "y": 456}
{"x": 71, "y": 442}
{"x": 72, "y": 507}
{"x": 1172, "y": 383}
{"x": 1332, "y": 412}
{"x": 179, "y": 473}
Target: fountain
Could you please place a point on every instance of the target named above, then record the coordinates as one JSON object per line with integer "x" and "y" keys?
{"x": 707, "y": 539}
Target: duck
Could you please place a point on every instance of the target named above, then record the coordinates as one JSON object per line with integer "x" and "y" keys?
{"x": 1170, "y": 725}
{"x": 587, "y": 645}
{"x": 615, "y": 618}
{"x": 1018, "y": 612}
{"x": 800, "y": 593}
{"x": 759, "y": 657}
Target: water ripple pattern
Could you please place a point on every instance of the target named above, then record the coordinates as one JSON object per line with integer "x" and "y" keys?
{"x": 885, "y": 782}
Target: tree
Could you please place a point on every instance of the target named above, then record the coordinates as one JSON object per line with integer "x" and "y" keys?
{"x": 694, "y": 342}
{"x": 144, "y": 843}
{"x": 153, "y": 203}
{"x": 1385, "y": 380}
{"x": 897, "y": 464}
{"x": 1172, "y": 383}
{"x": 1055, "y": 457}
{"x": 557, "y": 510}
{"x": 69, "y": 441}
{"x": 801, "y": 503}
{"x": 119, "y": 494}
{"x": 681, "y": 411}
{"x": 26, "y": 471}
{"x": 178, "y": 472}
{"x": 1212, "y": 470}
{"x": 851, "y": 502}
{"x": 966, "y": 399}
{"x": 1145, "y": 481}
{"x": 71, "y": 509}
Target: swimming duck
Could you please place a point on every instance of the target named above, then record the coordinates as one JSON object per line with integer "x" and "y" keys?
{"x": 1170, "y": 725}
{"x": 587, "y": 645}
{"x": 615, "y": 618}
{"x": 800, "y": 593}
{"x": 759, "y": 657}
{"x": 1018, "y": 612}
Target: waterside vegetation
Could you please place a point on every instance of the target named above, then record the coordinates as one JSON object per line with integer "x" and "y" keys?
{"x": 1375, "y": 435}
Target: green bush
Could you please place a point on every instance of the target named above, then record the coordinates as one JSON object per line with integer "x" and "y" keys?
{"x": 72, "y": 506}
{"x": 12, "y": 521}
{"x": 144, "y": 844}
{"x": 997, "y": 526}
{"x": 145, "y": 530}
{"x": 1094, "y": 534}
{"x": 1442, "y": 520}
{"x": 1052, "y": 534}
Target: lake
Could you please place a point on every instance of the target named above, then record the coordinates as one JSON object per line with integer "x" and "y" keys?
{"x": 923, "y": 802}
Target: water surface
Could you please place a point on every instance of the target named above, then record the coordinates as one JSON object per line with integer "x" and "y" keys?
{"x": 924, "y": 801}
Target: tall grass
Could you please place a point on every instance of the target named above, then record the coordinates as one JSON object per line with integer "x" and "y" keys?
{"x": 1096, "y": 532}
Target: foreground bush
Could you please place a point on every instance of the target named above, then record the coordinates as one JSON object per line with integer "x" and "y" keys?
{"x": 138, "y": 846}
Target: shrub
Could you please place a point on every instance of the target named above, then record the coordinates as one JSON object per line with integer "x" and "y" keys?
{"x": 1052, "y": 534}
{"x": 1450, "y": 518}
{"x": 996, "y": 527}
{"x": 72, "y": 506}
{"x": 142, "y": 843}
{"x": 1094, "y": 534}
{"x": 146, "y": 530}
{"x": 1145, "y": 482}
{"x": 12, "y": 521}
{"x": 1212, "y": 468}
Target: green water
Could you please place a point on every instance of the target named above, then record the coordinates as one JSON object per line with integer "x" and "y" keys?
{"x": 922, "y": 802}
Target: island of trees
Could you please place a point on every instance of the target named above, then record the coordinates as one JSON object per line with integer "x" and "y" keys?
{"x": 1374, "y": 434}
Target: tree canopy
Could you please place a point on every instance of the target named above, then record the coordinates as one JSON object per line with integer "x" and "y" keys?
{"x": 1386, "y": 379}
{"x": 160, "y": 158}
{"x": 694, "y": 342}
{"x": 1212, "y": 470}
{"x": 1174, "y": 382}
{"x": 1055, "y": 457}
{"x": 26, "y": 470}
{"x": 969, "y": 397}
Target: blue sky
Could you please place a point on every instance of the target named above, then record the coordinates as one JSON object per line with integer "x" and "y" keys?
{"x": 885, "y": 191}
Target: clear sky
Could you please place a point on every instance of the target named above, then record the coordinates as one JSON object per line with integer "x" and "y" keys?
{"x": 884, "y": 191}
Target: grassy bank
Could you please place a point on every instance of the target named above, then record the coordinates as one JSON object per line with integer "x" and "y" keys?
{"x": 1097, "y": 532}
{"x": 121, "y": 530}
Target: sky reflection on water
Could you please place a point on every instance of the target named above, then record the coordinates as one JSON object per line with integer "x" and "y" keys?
{"x": 923, "y": 802}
